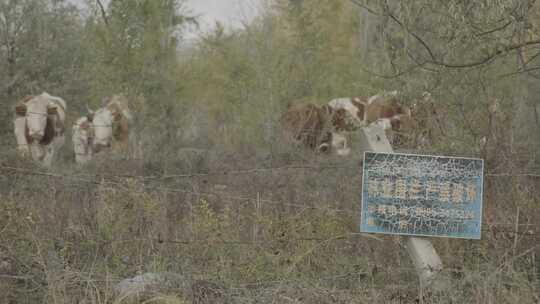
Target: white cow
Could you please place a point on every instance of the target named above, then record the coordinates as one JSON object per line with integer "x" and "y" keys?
{"x": 39, "y": 127}
{"x": 106, "y": 127}
{"x": 83, "y": 137}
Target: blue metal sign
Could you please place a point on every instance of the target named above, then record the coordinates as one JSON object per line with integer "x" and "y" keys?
{"x": 422, "y": 195}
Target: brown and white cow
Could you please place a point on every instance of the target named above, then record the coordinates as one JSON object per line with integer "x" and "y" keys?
{"x": 325, "y": 128}
{"x": 107, "y": 127}
{"x": 383, "y": 109}
{"x": 39, "y": 126}
{"x": 387, "y": 110}
{"x": 313, "y": 126}
{"x": 357, "y": 108}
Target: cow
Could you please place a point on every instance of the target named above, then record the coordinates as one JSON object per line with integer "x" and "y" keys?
{"x": 357, "y": 109}
{"x": 313, "y": 126}
{"x": 383, "y": 109}
{"x": 386, "y": 110}
{"x": 39, "y": 127}
{"x": 107, "y": 127}
{"x": 83, "y": 139}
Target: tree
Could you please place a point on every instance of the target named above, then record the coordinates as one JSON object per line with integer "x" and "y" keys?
{"x": 39, "y": 50}
{"x": 131, "y": 47}
{"x": 467, "y": 54}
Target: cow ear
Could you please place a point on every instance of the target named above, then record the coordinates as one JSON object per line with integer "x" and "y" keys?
{"x": 20, "y": 110}
{"x": 89, "y": 110}
{"x": 52, "y": 111}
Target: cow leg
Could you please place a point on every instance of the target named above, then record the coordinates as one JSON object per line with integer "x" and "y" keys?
{"x": 339, "y": 142}
{"x": 48, "y": 157}
{"x": 82, "y": 148}
{"x": 37, "y": 152}
{"x": 47, "y": 160}
{"x": 51, "y": 150}
{"x": 19, "y": 125}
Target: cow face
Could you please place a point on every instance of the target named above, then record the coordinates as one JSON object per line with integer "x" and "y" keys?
{"x": 103, "y": 128}
{"x": 37, "y": 112}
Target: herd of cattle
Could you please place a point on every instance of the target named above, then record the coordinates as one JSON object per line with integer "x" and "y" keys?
{"x": 325, "y": 128}
{"x": 39, "y": 124}
{"x": 39, "y": 127}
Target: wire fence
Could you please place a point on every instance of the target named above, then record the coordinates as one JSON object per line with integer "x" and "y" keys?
{"x": 122, "y": 182}
{"x": 230, "y": 172}
{"x": 519, "y": 231}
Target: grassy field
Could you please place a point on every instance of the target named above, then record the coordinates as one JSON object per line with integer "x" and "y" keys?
{"x": 279, "y": 227}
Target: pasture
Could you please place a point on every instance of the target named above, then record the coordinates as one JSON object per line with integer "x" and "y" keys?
{"x": 206, "y": 199}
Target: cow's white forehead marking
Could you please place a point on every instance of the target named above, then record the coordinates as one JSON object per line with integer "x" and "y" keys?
{"x": 103, "y": 117}
{"x": 346, "y": 104}
{"x": 385, "y": 123}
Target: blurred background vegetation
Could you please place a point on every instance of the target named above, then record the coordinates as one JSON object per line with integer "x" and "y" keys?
{"x": 211, "y": 106}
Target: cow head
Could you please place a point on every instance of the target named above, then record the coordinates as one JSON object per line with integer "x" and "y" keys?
{"x": 85, "y": 133}
{"x": 41, "y": 117}
{"x": 110, "y": 122}
{"x": 103, "y": 127}
{"x": 360, "y": 104}
{"x": 343, "y": 120}
{"x": 388, "y": 111}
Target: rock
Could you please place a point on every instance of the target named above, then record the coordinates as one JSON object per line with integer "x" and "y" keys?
{"x": 147, "y": 285}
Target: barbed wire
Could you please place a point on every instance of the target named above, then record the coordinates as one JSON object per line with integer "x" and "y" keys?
{"x": 487, "y": 227}
{"x": 235, "y": 172}
{"x": 101, "y": 181}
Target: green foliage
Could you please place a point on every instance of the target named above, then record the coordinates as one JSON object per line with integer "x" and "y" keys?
{"x": 226, "y": 91}
{"x": 135, "y": 51}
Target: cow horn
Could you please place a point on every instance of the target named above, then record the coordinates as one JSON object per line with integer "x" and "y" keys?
{"x": 90, "y": 111}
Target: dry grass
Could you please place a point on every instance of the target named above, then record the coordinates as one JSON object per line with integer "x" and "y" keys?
{"x": 274, "y": 227}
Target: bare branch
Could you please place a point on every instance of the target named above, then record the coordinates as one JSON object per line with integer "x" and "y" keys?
{"x": 500, "y": 28}
{"x": 434, "y": 61}
{"x": 396, "y": 75}
{"x": 422, "y": 42}
{"x": 361, "y": 5}
{"x": 12, "y": 82}
{"x": 488, "y": 58}
{"x": 103, "y": 13}
{"x": 520, "y": 71}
